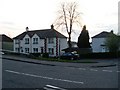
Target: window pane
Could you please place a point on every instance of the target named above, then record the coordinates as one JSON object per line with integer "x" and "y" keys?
{"x": 35, "y": 40}
{"x": 35, "y": 50}
{"x": 26, "y": 40}
{"x": 50, "y": 40}
{"x": 51, "y": 51}
{"x": 26, "y": 50}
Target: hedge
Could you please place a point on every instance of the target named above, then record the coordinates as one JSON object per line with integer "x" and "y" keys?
{"x": 100, "y": 55}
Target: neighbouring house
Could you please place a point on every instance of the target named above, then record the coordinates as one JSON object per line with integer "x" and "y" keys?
{"x": 98, "y": 42}
{"x": 6, "y": 42}
{"x": 74, "y": 47}
{"x": 40, "y": 41}
{"x": 74, "y": 44}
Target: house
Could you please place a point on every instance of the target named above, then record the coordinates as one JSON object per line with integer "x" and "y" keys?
{"x": 98, "y": 42}
{"x": 6, "y": 42}
{"x": 74, "y": 44}
{"x": 40, "y": 41}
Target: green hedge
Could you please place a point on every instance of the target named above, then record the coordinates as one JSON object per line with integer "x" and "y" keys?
{"x": 45, "y": 55}
{"x": 35, "y": 54}
{"x": 100, "y": 55}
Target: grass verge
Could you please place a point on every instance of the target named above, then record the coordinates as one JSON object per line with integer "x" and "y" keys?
{"x": 64, "y": 60}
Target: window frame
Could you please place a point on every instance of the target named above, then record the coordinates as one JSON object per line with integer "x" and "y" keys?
{"x": 51, "y": 51}
{"x": 35, "y": 50}
{"x": 50, "y": 40}
{"x": 17, "y": 41}
{"x": 35, "y": 40}
{"x": 27, "y": 40}
{"x": 27, "y": 50}
{"x": 17, "y": 49}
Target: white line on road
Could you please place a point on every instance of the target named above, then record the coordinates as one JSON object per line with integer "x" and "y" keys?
{"x": 51, "y": 87}
{"x": 32, "y": 75}
{"x": 82, "y": 68}
{"x": 93, "y": 70}
{"x": 118, "y": 71}
{"x": 107, "y": 70}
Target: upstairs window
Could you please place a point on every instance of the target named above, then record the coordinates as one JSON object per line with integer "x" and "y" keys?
{"x": 35, "y": 40}
{"x": 26, "y": 40}
{"x": 17, "y": 42}
{"x": 50, "y": 40}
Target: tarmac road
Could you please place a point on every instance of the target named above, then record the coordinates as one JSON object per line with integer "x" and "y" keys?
{"x": 30, "y": 75}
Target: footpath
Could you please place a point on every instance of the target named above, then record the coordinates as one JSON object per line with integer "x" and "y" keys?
{"x": 100, "y": 62}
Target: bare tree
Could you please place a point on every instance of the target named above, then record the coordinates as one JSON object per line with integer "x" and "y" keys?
{"x": 68, "y": 16}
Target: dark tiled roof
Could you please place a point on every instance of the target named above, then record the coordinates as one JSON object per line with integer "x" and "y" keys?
{"x": 5, "y": 38}
{"x": 102, "y": 35}
{"x": 46, "y": 33}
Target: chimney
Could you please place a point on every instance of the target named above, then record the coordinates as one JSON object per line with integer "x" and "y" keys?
{"x": 27, "y": 29}
{"x": 52, "y": 27}
{"x": 111, "y": 31}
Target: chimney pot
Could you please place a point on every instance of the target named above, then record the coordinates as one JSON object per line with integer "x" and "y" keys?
{"x": 112, "y": 31}
{"x": 27, "y": 29}
{"x": 52, "y": 26}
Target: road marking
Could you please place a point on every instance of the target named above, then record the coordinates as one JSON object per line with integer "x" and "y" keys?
{"x": 82, "y": 68}
{"x": 107, "y": 70}
{"x": 51, "y": 87}
{"x": 118, "y": 71}
{"x": 93, "y": 70}
{"x": 32, "y": 75}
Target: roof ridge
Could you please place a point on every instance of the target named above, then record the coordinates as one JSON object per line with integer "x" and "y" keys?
{"x": 42, "y": 33}
{"x": 101, "y": 34}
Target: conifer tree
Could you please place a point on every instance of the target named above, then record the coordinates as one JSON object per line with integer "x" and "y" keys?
{"x": 83, "y": 39}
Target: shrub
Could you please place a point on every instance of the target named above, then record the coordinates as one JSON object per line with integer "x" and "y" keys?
{"x": 100, "y": 55}
{"x": 45, "y": 55}
{"x": 35, "y": 54}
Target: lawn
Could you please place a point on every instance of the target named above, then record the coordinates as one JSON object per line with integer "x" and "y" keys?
{"x": 64, "y": 60}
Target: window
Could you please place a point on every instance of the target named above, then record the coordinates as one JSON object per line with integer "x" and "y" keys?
{"x": 41, "y": 49}
{"x": 26, "y": 50}
{"x": 51, "y": 51}
{"x": 17, "y": 49}
{"x": 16, "y": 41}
{"x": 26, "y": 40}
{"x": 35, "y": 50}
{"x": 35, "y": 40}
{"x": 21, "y": 49}
{"x": 50, "y": 40}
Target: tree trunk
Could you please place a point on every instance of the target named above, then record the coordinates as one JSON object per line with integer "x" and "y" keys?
{"x": 69, "y": 42}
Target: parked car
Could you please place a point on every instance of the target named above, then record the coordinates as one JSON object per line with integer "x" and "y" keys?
{"x": 70, "y": 56}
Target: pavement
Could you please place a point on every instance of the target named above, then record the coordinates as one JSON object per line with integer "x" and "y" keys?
{"x": 101, "y": 62}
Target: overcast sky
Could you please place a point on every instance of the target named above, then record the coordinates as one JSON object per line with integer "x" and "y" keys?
{"x": 15, "y": 15}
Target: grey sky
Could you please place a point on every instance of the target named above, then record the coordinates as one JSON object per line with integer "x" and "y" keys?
{"x": 15, "y": 15}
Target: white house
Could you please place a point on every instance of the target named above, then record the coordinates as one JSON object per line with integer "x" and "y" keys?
{"x": 98, "y": 42}
{"x": 40, "y": 41}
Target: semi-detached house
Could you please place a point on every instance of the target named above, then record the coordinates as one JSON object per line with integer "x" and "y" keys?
{"x": 40, "y": 41}
{"x": 98, "y": 42}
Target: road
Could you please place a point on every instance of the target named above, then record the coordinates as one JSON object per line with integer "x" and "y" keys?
{"x": 27, "y": 75}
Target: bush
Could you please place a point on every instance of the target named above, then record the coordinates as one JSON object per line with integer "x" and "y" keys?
{"x": 100, "y": 55}
{"x": 35, "y": 54}
{"x": 45, "y": 55}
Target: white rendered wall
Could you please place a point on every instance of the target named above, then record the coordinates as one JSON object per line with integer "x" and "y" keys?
{"x": 96, "y": 44}
{"x": 63, "y": 45}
